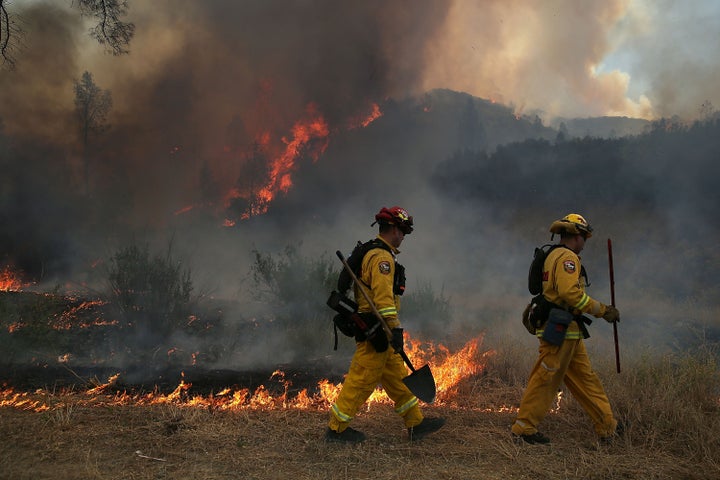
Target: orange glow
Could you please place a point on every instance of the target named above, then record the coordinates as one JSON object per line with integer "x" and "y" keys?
{"x": 68, "y": 319}
{"x": 308, "y": 138}
{"x": 362, "y": 122}
{"x": 184, "y": 210}
{"x": 15, "y": 326}
{"x": 10, "y": 281}
{"x": 312, "y": 128}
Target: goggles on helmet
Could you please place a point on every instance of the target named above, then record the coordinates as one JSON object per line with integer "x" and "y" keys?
{"x": 397, "y": 216}
{"x": 572, "y": 223}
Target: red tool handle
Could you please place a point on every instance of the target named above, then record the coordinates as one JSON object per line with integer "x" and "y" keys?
{"x": 612, "y": 302}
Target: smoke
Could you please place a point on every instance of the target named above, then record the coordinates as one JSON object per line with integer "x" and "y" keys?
{"x": 540, "y": 57}
{"x": 33, "y": 98}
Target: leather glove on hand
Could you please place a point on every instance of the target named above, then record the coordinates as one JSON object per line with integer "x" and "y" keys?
{"x": 397, "y": 341}
{"x": 611, "y": 314}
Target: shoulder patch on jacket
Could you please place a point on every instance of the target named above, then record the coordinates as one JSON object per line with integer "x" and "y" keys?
{"x": 569, "y": 266}
{"x": 384, "y": 267}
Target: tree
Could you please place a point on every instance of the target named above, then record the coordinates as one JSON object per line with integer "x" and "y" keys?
{"x": 707, "y": 111}
{"x": 109, "y": 31}
{"x": 254, "y": 175}
{"x": 92, "y": 105}
{"x": 10, "y": 33}
{"x": 471, "y": 131}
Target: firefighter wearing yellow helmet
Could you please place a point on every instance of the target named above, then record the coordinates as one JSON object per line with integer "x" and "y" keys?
{"x": 374, "y": 363}
{"x": 563, "y": 357}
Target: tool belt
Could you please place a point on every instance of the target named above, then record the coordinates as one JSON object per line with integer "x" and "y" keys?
{"x": 351, "y": 323}
{"x": 553, "y": 319}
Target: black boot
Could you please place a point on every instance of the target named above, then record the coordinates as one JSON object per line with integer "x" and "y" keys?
{"x": 619, "y": 432}
{"x": 536, "y": 438}
{"x": 349, "y": 435}
{"x": 426, "y": 427}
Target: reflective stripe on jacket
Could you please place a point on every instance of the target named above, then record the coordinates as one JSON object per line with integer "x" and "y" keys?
{"x": 377, "y": 275}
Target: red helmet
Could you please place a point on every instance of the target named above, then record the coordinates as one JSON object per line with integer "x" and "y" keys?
{"x": 395, "y": 216}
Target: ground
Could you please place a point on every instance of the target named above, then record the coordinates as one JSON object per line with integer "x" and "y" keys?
{"x": 78, "y": 441}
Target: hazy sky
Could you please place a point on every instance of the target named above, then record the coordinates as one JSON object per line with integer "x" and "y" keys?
{"x": 646, "y": 58}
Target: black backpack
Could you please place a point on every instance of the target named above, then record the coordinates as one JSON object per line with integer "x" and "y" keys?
{"x": 355, "y": 262}
{"x": 535, "y": 275}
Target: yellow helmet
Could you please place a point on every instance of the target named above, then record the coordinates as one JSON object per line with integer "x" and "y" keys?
{"x": 572, "y": 223}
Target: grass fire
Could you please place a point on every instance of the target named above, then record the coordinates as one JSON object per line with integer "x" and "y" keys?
{"x": 80, "y": 389}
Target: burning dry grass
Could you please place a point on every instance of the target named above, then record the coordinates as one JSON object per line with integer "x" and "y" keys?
{"x": 670, "y": 404}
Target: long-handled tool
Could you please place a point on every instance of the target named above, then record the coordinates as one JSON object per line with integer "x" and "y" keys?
{"x": 421, "y": 382}
{"x": 612, "y": 302}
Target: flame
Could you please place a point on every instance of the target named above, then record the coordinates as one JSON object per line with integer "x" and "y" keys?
{"x": 68, "y": 319}
{"x": 184, "y": 210}
{"x": 362, "y": 122}
{"x": 449, "y": 369}
{"x": 21, "y": 401}
{"x": 11, "y": 281}
{"x": 103, "y": 387}
{"x": 303, "y": 132}
{"x": 16, "y": 326}
{"x": 308, "y": 136}
{"x": 558, "y": 401}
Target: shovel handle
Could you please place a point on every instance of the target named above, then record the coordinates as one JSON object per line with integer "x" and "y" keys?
{"x": 384, "y": 324}
{"x": 406, "y": 360}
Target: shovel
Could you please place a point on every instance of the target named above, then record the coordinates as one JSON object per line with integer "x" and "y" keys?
{"x": 421, "y": 382}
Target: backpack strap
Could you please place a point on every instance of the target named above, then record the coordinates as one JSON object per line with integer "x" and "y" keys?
{"x": 355, "y": 262}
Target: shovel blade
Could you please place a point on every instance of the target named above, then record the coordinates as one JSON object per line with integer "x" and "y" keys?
{"x": 422, "y": 384}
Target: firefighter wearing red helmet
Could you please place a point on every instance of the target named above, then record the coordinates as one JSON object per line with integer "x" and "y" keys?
{"x": 370, "y": 367}
{"x": 563, "y": 357}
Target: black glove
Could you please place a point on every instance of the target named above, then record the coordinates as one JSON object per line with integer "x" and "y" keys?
{"x": 397, "y": 342}
{"x": 379, "y": 340}
{"x": 611, "y": 314}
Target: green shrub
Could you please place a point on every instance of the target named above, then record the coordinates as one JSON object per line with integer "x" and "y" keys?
{"x": 296, "y": 283}
{"x": 294, "y": 289}
{"x": 152, "y": 291}
{"x": 429, "y": 312}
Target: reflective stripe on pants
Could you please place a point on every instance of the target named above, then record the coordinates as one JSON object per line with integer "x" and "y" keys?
{"x": 368, "y": 369}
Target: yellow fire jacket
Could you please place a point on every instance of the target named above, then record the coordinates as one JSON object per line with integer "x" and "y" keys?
{"x": 377, "y": 274}
{"x": 563, "y": 286}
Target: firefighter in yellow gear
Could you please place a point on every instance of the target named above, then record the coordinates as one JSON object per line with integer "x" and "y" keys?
{"x": 567, "y": 361}
{"x": 370, "y": 367}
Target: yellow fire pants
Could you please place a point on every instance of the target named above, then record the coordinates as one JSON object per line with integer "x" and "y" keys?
{"x": 368, "y": 369}
{"x": 570, "y": 363}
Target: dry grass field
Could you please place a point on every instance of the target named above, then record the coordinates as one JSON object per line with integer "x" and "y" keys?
{"x": 671, "y": 404}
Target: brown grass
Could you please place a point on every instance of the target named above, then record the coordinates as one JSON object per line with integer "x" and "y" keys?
{"x": 671, "y": 404}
